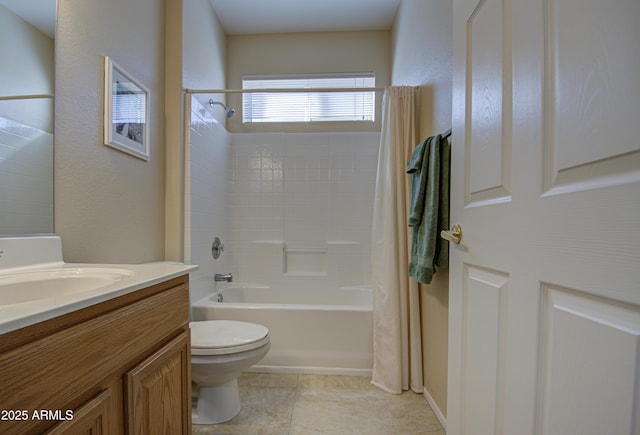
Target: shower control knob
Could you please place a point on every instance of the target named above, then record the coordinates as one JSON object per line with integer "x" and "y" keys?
{"x": 216, "y": 248}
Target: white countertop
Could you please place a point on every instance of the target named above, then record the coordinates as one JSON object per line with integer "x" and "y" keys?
{"x": 16, "y": 316}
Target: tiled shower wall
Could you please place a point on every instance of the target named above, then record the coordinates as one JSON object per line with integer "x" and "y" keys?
{"x": 26, "y": 174}
{"x": 290, "y": 208}
{"x": 206, "y": 198}
{"x": 309, "y": 193}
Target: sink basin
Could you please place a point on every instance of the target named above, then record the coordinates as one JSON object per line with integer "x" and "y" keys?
{"x": 29, "y": 286}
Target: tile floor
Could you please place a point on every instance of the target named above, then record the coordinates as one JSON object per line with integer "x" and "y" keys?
{"x": 317, "y": 404}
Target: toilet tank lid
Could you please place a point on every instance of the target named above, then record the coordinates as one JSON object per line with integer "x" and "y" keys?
{"x": 216, "y": 334}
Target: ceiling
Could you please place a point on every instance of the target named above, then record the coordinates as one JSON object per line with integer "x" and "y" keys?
{"x": 239, "y": 17}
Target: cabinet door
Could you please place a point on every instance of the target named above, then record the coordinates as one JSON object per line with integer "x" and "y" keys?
{"x": 159, "y": 391}
{"x": 92, "y": 418}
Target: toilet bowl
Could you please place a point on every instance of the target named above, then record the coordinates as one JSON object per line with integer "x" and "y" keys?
{"x": 220, "y": 351}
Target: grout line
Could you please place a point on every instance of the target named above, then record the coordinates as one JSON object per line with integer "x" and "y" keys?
{"x": 293, "y": 405}
{"x": 286, "y": 421}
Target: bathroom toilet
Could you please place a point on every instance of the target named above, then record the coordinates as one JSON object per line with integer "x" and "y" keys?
{"x": 220, "y": 351}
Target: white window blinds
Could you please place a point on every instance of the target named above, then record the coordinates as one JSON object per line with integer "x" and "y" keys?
{"x": 129, "y": 108}
{"x": 128, "y": 103}
{"x": 309, "y": 106}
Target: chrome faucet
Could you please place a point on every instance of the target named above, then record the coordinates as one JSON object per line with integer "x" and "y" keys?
{"x": 223, "y": 277}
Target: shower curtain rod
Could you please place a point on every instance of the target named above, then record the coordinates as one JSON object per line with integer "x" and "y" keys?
{"x": 249, "y": 91}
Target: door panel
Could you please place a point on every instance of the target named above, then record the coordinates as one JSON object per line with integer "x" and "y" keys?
{"x": 489, "y": 103}
{"x": 590, "y": 353}
{"x": 545, "y": 286}
{"x": 593, "y": 94}
{"x": 484, "y": 301}
{"x": 594, "y": 89}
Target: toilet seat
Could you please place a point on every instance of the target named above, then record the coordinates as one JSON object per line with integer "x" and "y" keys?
{"x": 222, "y": 337}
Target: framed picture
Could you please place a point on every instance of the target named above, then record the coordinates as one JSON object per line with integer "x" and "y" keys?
{"x": 126, "y": 112}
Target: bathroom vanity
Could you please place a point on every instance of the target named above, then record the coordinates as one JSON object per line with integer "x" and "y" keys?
{"x": 92, "y": 348}
{"x": 120, "y": 366}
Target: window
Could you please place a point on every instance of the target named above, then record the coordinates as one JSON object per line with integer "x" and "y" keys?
{"x": 312, "y": 106}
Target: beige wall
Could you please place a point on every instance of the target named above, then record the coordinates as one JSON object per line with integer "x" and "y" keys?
{"x": 204, "y": 47}
{"x": 195, "y": 59}
{"x": 422, "y": 56}
{"x": 204, "y": 59}
{"x": 109, "y": 206}
{"x": 174, "y": 133}
{"x": 299, "y": 53}
{"x": 204, "y": 53}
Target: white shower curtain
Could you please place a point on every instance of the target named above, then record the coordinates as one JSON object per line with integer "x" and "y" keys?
{"x": 397, "y": 347}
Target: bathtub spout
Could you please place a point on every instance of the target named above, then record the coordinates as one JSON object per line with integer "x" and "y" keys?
{"x": 223, "y": 277}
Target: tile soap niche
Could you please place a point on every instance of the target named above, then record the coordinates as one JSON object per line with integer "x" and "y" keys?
{"x": 304, "y": 261}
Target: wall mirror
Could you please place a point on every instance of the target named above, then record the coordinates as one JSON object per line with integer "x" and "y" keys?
{"x": 27, "y": 40}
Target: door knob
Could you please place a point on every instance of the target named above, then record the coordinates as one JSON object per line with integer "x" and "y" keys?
{"x": 453, "y": 235}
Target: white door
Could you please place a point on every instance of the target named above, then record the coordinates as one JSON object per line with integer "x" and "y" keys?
{"x": 545, "y": 285}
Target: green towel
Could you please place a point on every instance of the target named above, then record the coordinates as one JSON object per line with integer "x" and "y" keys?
{"x": 429, "y": 210}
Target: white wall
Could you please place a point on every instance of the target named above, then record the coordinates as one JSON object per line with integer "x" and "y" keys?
{"x": 422, "y": 56}
{"x": 109, "y": 206}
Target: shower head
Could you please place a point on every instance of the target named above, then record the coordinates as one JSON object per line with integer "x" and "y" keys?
{"x": 229, "y": 111}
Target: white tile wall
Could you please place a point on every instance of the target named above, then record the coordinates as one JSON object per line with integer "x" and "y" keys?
{"x": 303, "y": 190}
{"x": 26, "y": 174}
{"x": 265, "y": 192}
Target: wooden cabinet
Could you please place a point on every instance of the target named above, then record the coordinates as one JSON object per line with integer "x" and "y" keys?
{"x": 121, "y": 366}
{"x": 157, "y": 396}
{"x": 92, "y": 418}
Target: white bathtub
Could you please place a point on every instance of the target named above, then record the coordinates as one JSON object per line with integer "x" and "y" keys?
{"x": 318, "y": 331}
